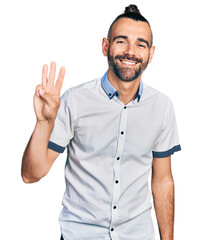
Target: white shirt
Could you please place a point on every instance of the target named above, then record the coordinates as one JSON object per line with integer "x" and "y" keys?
{"x": 110, "y": 152}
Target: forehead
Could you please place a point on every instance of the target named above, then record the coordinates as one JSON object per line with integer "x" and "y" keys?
{"x": 132, "y": 29}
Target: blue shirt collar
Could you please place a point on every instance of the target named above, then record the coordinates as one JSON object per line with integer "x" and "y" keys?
{"x": 111, "y": 91}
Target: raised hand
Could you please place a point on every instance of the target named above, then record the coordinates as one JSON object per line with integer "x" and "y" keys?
{"x": 47, "y": 95}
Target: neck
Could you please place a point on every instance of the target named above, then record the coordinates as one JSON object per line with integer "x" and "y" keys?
{"x": 127, "y": 90}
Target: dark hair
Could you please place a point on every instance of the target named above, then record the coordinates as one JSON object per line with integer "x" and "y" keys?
{"x": 131, "y": 12}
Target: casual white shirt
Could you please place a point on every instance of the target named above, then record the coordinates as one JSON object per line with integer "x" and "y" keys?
{"x": 110, "y": 152}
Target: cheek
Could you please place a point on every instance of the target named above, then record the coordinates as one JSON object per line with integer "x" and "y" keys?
{"x": 146, "y": 56}
{"x": 116, "y": 50}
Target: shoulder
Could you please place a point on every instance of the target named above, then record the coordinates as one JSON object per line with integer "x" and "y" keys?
{"x": 82, "y": 93}
{"x": 155, "y": 96}
{"x": 82, "y": 88}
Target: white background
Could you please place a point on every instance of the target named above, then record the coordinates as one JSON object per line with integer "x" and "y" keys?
{"x": 70, "y": 33}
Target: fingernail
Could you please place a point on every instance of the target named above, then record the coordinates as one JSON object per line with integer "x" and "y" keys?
{"x": 41, "y": 92}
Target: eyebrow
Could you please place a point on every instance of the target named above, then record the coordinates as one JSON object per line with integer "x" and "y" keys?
{"x": 119, "y": 36}
{"x": 143, "y": 40}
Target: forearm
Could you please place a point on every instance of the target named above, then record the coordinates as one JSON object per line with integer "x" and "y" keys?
{"x": 35, "y": 158}
{"x": 163, "y": 195}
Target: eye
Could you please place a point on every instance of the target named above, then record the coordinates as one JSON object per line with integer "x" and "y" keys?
{"x": 141, "y": 46}
{"x": 120, "y": 42}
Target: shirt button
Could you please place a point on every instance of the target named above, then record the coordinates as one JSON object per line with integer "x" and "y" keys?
{"x": 112, "y": 229}
{"x": 118, "y": 158}
{"x": 116, "y": 181}
{"x": 125, "y": 107}
{"x": 122, "y": 133}
{"x": 114, "y": 207}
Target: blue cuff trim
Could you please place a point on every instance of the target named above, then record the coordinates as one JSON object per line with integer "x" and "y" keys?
{"x": 57, "y": 148}
{"x": 166, "y": 153}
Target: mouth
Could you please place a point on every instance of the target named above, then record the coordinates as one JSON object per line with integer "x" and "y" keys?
{"x": 128, "y": 63}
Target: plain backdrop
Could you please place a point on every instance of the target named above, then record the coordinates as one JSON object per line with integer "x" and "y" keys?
{"x": 70, "y": 32}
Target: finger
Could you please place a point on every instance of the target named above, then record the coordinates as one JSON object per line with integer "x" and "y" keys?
{"x": 44, "y": 75}
{"x": 52, "y": 102}
{"x": 60, "y": 79}
{"x": 38, "y": 88}
{"x": 51, "y": 77}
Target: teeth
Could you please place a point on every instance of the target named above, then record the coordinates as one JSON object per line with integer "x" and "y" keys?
{"x": 129, "y": 63}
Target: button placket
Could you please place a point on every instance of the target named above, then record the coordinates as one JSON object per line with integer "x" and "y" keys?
{"x": 117, "y": 161}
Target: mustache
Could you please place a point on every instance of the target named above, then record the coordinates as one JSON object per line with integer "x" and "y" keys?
{"x": 127, "y": 57}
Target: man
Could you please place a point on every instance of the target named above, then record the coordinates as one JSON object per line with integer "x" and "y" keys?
{"x": 116, "y": 129}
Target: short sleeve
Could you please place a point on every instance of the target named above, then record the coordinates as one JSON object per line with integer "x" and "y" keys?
{"x": 167, "y": 142}
{"x": 63, "y": 129}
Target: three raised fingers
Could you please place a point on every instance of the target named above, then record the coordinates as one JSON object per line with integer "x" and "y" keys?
{"x": 48, "y": 83}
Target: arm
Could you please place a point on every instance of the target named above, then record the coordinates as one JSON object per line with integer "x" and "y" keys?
{"x": 38, "y": 159}
{"x": 163, "y": 195}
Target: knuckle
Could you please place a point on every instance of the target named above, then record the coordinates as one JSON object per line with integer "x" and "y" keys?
{"x": 38, "y": 87}
{"x": 55, "y": 103}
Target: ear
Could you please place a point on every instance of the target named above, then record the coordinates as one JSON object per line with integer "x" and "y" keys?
{"x": 152, "y": 49}
{"x": 105, "y": 46}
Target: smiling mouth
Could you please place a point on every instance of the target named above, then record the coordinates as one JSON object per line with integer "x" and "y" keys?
{"x": 129, "y": 63}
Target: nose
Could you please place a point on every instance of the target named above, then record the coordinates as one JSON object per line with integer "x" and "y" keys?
{"x": 130, "y": 49}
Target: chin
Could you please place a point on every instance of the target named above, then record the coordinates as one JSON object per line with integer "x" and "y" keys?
{"x": 128, "y": 79}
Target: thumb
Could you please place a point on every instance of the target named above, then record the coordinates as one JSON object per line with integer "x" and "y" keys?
{"x": 45, "y": 96}
{"x": 41, "y": 92}
{"x": 48, "y": 98}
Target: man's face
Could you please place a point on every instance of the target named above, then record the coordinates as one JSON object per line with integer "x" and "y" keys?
{"x": 129, "y": 49}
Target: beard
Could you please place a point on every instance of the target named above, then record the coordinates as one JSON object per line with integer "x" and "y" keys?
{"x": 126, "y": 74}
